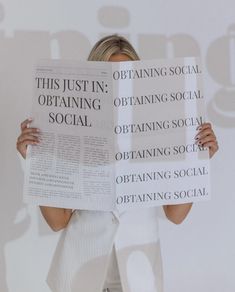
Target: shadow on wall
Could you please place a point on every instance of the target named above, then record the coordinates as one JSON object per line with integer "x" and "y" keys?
{"x": 10, "y": 229}
{"x": 221, "y": 66}
{"x": 26, "y": 47}
{"x": 220, "y": 58}
{"x": 17, "y": 52}
{"x": 220, "y": 62}
{"x": 2, "y": 13}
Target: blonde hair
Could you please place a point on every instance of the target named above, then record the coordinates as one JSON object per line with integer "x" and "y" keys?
{"x": 111, "y": 45}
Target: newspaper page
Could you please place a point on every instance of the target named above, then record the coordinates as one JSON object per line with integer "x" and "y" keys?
{"x": 72, "y": 167}
{"x": 158, "y": 106}
{"x": 117, "y": 135}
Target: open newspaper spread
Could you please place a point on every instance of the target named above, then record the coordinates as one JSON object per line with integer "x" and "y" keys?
{"x": 117, "y": 135}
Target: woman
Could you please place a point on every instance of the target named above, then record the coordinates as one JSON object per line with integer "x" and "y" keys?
{"x": 106, "y": 250}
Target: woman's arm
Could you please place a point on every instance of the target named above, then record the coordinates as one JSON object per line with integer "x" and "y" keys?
{"x": 177, "y": 213}
{"x": 57, "y": 218}
{"x": 205, "y": 138}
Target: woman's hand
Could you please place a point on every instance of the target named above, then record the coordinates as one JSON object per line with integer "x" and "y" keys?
{"x": 206, "y": 138}
{"x": 28, "y": 136}
{"x": 57, "y": 218}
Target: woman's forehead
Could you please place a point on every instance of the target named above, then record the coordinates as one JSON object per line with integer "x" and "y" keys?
{"x": 120, "y": 57}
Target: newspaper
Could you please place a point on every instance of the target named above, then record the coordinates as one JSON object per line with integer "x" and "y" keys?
{"x": 117, "y": 135}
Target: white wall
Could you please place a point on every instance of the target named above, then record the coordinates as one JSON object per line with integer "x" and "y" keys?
{"x": 198, "y": 255}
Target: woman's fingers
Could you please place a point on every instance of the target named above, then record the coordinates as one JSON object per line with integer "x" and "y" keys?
{"x": 25, "y": 123}
{"x": 31, "y": 137}
{"x": 204, "y": 126}
{"x": 23, "y": 142}
{"x": 28, "y": 136}
{"x": 30, "y": 131}
{"x": 204, "y": 133}
{"x": 206, "y": 138}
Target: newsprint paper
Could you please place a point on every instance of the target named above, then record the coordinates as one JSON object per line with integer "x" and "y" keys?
{"x": 117, "y": 135}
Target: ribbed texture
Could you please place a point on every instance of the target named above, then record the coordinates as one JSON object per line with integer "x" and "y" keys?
{"x": 88, "y": 239}
{"x": 81, "y": 259}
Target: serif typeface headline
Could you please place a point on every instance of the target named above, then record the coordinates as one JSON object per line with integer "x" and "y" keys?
{"x": 70, "y": 101}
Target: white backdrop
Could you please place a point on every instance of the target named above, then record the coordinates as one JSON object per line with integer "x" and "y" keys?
{"x": 199, "y": 254}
